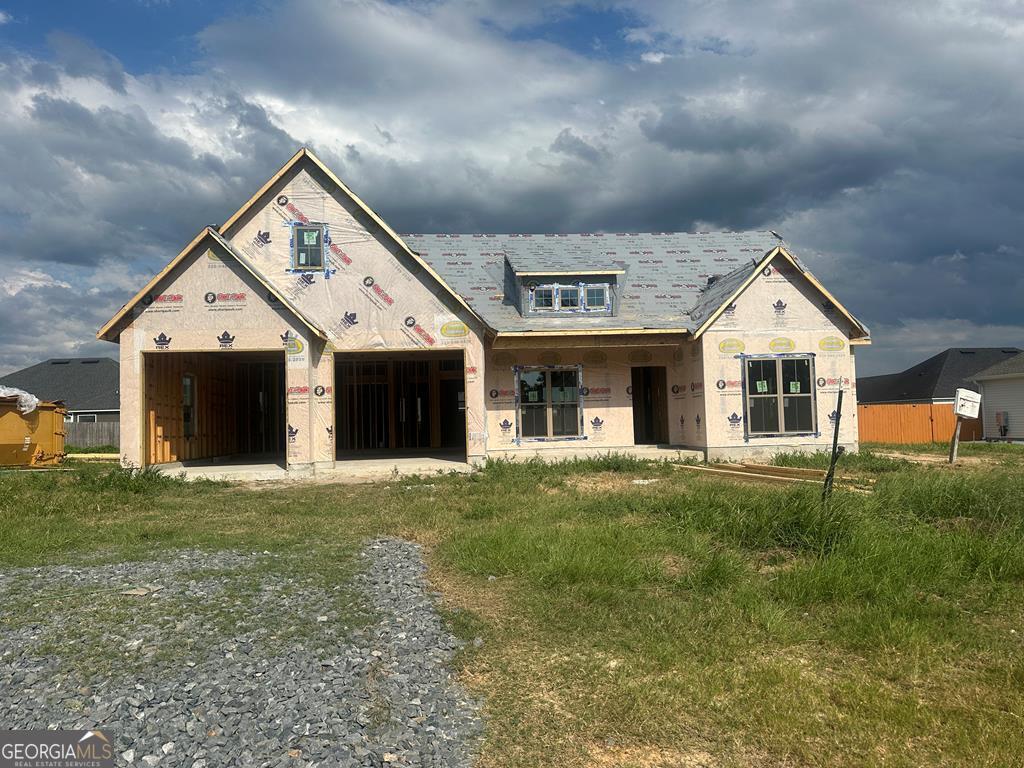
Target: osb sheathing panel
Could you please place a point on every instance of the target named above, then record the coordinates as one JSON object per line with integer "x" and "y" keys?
{"x": 780, "y": 312}
{"x": 607, "y": 392}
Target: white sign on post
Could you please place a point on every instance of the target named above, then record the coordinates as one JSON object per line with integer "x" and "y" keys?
{"x": 966, "y": 404}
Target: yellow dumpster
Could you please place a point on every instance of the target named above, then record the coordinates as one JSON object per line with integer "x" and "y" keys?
{"x": 32, "y": 439}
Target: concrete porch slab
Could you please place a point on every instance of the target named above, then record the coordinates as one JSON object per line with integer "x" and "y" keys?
{"x": 550, "y": 454}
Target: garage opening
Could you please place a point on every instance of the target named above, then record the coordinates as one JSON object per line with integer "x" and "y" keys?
{"x": 215, "y": 407}
{"x": 411, "y": 404}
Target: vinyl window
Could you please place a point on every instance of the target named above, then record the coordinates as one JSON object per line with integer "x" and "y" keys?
{"x": 308, "y": 248}
{"x": 544, "y": 298}
{"x": 780, "y": 395}
{"x": 578, "y": 297}
{"x": 549, "y": 402}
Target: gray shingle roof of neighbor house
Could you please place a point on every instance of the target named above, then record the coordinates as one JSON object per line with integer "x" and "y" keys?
{"x": 1008, "y": 367}
{"x": 936, "y": 378}
{"x": 82, "y": 383}
{"x": 663, "y": 277}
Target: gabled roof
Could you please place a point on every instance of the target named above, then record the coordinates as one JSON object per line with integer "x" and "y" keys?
{"x": 1010, "y": 366}
{"x": 936, "y": 378}
{"x": 662, "y": 277}
{"x": 307, "y": 153}
{"x": 82, "y": 383}
{"x": 206, "y": 236}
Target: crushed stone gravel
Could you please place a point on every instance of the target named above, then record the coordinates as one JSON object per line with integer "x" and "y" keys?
{"x": 285, "y": 675}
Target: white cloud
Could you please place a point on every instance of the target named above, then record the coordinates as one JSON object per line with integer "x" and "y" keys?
{"x": 21, "y": 280}
{"x": 653, "y": 57}
{"x": 5, "y": 17}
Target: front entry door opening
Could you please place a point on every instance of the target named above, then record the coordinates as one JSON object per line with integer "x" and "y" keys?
{"x": 650, "y": 405}
{"x": 400, "y": 404}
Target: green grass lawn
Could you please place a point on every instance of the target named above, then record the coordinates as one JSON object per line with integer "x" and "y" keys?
{"x": 73, "y": 449}
{"x": 665, "y": 623}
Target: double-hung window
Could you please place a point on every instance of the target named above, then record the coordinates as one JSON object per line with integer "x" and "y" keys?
{"x": 780, "y": 395}
{"x": 549, "y": 402}
{"x": 596, "y": 296}
{"x": 308, "y": 249}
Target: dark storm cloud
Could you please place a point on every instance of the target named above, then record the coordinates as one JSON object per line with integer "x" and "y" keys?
{"x": 80, "y": 58}
{"x": 680, "y": 128}
{"x": 884, "y": 141}
{"x": 568, "y": 143}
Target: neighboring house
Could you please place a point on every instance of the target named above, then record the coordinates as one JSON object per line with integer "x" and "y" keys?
{"x": 306, "y": 328}
{"x": 1002, "y": 399}
{"x": 916, "y": 405}
{"x": 88, "y": 386}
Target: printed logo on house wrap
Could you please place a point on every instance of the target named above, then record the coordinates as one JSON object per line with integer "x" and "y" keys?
{"x": 225, "y": 340}
{"x": 161, "y": 303}
{"x": 781, "y": 344}
{"x": 454, "y": 329}
{"x": 57, "y": 749}
{"x": 417, "y": 332}
{"x": 831, "y": 344}
{"x": 735, "y": 420}
{"x": 376, "y": 293}
{"x": 505, "y": 425}
{"x": 292, "y": 344}
{"x": 224, "y": 301}
{"x": 731, "y": 346}
{"x": 163, "y": 341}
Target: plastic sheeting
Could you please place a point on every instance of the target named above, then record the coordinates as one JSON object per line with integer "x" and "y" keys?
{"x": 26, "y": 402}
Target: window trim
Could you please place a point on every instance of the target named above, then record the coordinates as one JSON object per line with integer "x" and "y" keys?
{"x": 582, "y": 306}
{"x": 518, "y": 370}
{"x": 779, "y": 395}
{"x": 294, "y": 255}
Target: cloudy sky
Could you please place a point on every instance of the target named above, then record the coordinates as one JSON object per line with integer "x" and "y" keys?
{"x": 884, "y": 140}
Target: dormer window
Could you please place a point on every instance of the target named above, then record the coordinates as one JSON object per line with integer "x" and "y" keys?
{"x": 308, "y": 247}
{"x": 578, "y": 297}
{"x": 543, "y": 298}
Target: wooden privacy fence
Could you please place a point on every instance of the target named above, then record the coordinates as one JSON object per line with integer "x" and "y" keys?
{"x": 88, "y": 434}
{"x": 911, "y": 423}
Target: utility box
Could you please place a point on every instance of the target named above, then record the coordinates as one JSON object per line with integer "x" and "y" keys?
{"x": 1003, "y": 423}
{"x": 31, "y": 439}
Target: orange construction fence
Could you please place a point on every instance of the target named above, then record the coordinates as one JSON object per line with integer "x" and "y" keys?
{"x": 912, "y": 423}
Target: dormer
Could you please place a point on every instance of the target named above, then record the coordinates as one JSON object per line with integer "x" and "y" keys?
{"x": 561, "y": 284}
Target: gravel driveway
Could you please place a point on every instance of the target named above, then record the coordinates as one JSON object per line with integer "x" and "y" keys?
{"x": 223, "y": 658}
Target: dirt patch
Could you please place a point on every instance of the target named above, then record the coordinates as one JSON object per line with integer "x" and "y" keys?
{"x": 779, "y": 560}
{"x": 604, "y": 482}
{"x": 650, "y": 757}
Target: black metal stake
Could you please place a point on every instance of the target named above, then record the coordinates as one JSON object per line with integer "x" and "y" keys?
{"x": 836, "y": 450}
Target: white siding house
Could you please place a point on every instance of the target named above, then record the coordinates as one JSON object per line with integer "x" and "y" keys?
{"x": 1002, "y": 399}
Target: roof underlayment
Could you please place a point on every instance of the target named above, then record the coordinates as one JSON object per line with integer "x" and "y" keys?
{"x": 661, "y": 278}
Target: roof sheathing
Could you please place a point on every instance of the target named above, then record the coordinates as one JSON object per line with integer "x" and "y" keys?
{"x": 661, "y": 275}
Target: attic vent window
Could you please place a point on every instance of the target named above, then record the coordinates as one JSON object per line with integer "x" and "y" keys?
{"x": 308, "y": 247}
